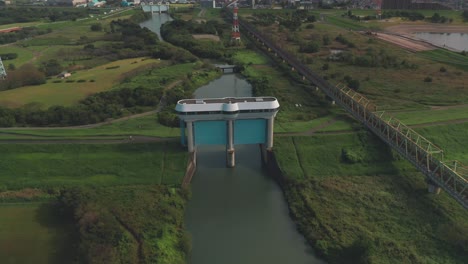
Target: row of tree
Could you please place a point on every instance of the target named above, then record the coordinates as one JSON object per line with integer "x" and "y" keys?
{"x": 95, "y": 108}
{"x": 11, "y": 15}
{"x": 24, "y": 33}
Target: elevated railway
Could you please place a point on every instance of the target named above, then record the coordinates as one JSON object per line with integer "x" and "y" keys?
{"x": 425, "y": 156}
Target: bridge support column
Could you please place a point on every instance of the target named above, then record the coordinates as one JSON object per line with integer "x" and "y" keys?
{"x": 270, "y": 127}
{"x": 183, "y": 142}
{"x": 190, "y": 144}
{"x": 230, "y": 152}
{"x": 432, "y": 187}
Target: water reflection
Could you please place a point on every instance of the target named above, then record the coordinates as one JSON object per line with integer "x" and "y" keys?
{"x": 456, "y": 41}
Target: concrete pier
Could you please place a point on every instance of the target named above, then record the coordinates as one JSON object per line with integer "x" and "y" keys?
{"x": 270, "y": 128}
{"x": 432, "y": 187}
{"x": 190, "y": 144}
{"x": 230, "y": 152}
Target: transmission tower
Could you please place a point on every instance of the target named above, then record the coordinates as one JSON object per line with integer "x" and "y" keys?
{"x": 2, "y": 70}
{"x": 235, "y": 34}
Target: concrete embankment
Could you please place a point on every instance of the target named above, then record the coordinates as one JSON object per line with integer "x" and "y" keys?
{"x": 191, "y": 168}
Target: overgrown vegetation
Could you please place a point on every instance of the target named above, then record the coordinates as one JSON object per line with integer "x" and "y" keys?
{"x": 179, "y": 33}
{"x": 23, "y": 33}
{"x": 132, "y": 224}
{"x": 10, "y": 15}
{"x": 94, "y": 109}
{"x": 356, "y": 201}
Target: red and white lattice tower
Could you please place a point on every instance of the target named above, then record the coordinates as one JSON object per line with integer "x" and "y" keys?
{"x": 235, "y": 35}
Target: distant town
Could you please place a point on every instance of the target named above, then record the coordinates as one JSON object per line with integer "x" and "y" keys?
{"x": 308, "y": 4}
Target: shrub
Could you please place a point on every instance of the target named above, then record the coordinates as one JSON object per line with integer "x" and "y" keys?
{"x": 350, "y": 156}
{"x": 443, "y": 69}
{"x": 325, "y": 66}
{"x": 96, "y": 27}
{"x": 81, "y": 80}
{"x": 428, "y": 79}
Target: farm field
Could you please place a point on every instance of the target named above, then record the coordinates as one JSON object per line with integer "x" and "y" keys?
{"x": 30, "y": 233}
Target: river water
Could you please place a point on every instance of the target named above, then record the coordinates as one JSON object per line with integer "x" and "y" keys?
{"x": 238, "y": 215}
{"x": 456, "y": 41}
{"x": 154, "y": 24}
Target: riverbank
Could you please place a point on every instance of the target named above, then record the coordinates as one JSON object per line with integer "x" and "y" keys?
{"x": 370, "y": 210}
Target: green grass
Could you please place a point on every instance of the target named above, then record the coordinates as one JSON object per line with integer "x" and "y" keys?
{"x": 159, "y": 77}
{"x": 447, "y": 57}
{"x": 68, "y": 93}
{"x": 24, "y": 55}
{"x": 250, "y": 57}
{"x": 429, "y": 116}
{"x": 345, "y": 23}
{"x": 451, "y": 138}
{"x": 58, "y": 165}
{"x": 30, "y": 233}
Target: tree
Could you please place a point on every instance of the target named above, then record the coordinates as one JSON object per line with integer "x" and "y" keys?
{"x": 465, "y": 15}
{"x": 51, "y": 67}
{"x": 96, "y": 27}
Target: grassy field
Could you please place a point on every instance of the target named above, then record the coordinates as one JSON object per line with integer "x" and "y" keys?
{"x": 64, "y": 165}
{"x": 69, "y": 91}
{"x": 435, "y": 115}
{"x": 447, "y": 57}
{"x": 451, "y": 138}
{"x": 30, "y": 233}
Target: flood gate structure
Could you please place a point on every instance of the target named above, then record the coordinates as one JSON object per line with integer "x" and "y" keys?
{"x": 155, "y": 7}
{"x": 227, "y": 121}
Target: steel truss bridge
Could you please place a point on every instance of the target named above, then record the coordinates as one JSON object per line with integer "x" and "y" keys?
{"x": 425, "y": 156}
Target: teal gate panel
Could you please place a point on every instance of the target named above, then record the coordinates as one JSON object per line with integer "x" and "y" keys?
{"x": 250, "y": 131}
{"x": 210, "y": 132}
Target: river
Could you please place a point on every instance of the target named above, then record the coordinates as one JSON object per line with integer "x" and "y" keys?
{"x": 239, "y": 215}
{"x": 455, "y": 41}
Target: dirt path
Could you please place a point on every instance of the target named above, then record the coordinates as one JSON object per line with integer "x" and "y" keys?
{"x": 94, "y": 140}
{"x": 405, "y": 42}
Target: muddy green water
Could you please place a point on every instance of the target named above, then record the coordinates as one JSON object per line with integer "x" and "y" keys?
{"x": 239, "y": 215}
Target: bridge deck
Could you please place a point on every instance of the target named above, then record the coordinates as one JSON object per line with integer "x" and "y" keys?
{"x": 425, "y": 156}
